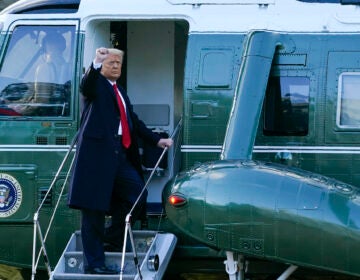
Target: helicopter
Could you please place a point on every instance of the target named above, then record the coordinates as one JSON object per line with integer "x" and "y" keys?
{"x": 260, "y": 89}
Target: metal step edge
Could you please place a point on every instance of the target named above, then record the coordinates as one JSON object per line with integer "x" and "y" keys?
{"x": 112, "y": 254}
{"x": 76, "y": 276}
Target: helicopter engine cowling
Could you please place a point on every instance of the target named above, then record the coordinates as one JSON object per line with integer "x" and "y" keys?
{"x": 269, "y": 211}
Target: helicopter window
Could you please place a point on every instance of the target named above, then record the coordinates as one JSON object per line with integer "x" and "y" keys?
{"x": 35, "y": 76}
{"x": 348, "y": 100}
{"x": 286, "y": 108}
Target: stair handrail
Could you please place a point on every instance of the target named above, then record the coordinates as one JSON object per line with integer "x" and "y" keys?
{"x": 37, "y": 228}
{"x": 128, "y": 216}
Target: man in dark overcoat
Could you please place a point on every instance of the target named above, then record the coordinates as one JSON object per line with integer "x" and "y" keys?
{"x": 107, "y": 177}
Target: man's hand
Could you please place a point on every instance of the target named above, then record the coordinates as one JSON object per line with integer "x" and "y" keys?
{"x": 101, "y": 54}
{"x": 165, "y": 142}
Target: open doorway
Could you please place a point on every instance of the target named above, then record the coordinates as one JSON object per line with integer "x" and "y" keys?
{"x": 153, "y": 75}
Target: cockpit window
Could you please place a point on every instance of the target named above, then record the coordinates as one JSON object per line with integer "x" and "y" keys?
{"x": 348, "y": 100}
{"x": 35, "y": 76}
{"x": 286, "y": 108}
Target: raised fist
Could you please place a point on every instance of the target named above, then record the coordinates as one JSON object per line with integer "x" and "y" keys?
{"x": 101, "y": 54}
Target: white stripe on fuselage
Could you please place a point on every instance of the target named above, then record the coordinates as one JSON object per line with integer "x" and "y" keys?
{"x": 203, "y": 149}
{"x": 276, "y": 149}
{"x": 34, "y": 148}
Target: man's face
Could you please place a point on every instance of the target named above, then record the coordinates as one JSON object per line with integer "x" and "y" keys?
{"x": 111, "y": 67}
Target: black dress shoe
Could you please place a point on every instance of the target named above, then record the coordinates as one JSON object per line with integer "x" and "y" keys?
{"x": 100, "y": 270}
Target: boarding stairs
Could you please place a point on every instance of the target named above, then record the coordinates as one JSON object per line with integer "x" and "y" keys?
{"x": 147, "y": 258}
{"x": 153, "y": 253}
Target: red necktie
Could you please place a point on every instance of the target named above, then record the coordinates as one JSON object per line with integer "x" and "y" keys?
{"x": 126, "y": 138}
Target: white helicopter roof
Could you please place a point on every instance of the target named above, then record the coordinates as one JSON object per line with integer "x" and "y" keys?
{"x": 209, "y": 15}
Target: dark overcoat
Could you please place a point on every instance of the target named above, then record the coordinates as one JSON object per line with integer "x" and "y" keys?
{"x": 98, "y": 146}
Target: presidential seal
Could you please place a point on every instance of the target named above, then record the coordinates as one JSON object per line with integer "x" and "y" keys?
{"x": 10, "y": 195}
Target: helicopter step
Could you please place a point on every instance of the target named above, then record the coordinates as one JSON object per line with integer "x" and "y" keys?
{"x": 153, "y": 253}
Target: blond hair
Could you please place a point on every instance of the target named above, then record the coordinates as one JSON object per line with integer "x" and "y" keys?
{"x": 118, "y": 52}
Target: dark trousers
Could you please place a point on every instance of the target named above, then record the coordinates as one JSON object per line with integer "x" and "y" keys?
{"x": 127, "y": 186}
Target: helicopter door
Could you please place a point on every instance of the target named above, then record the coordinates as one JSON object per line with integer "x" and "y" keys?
{"x": 342, "y": 116}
